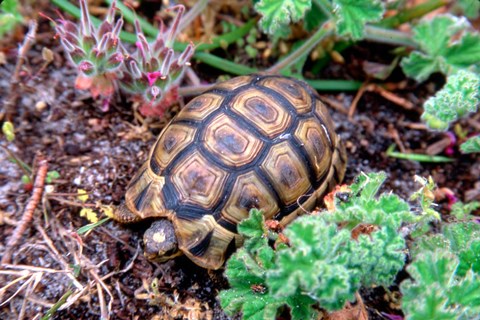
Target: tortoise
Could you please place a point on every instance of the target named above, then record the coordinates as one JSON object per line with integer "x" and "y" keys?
{"x": 258, "y": 141}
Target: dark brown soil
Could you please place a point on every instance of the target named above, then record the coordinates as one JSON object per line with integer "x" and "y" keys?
{"x": 99, "y": 152}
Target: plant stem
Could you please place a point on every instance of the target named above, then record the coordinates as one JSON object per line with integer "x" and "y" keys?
{"x": 412, "y": 13}
{"x": 325, "y": 6}
{"x": 8, "y": 111}
{"x": 27, "y": 170}
{"x": 190, "y": 91}
{"x": 130, "y": 16}
{"x": 224, "y": 64}
{"x": 325, "y": 30}
{"x": 416, "y": 157}
{"x": 194, "y": 11}
{"x": 391, "y": 22}
{"x": 150, "y": 30}
{"x": 335, "y": 85}
{"x": 382, "y": 35}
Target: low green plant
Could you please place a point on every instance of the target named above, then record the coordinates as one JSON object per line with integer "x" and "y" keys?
{"x": 470, "y": 8}
{"x": 471, "y": 145}
{"x": 349, "y": 16}
{"x": 325, "y": 260}
{"x": 459, "y": 97}
{"x": 447, "y": 44}
{"x": 8, "y": 130}
{"x": 445, "y": 275}
{"x": 151, "y": 73}
{"x": 9, "y": 16}
{"x": 277, "y": 15}
{"x": 95, "y": 51}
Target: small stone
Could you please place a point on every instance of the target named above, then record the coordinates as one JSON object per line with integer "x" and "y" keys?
{"x": 40, "y": 106}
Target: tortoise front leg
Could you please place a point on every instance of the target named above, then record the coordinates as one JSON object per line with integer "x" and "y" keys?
{"x": 124, "y": 215}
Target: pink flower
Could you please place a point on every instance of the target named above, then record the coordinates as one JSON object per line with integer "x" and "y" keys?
{"x": 449, "y": 150}
{"x": 152, "y": 77}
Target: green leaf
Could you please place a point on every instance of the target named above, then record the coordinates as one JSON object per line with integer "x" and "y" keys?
{"x": 278, "y": 14}
{"x": 434, "y": 35}
{"x": 8, "y": 130}
{"x": 420, "y": 66}
{"x": 460, "y": 234}
{"x": 459, "y": 96}
{"x": 91, "y": 226}
{"x": 445, "y": 270}
{"x": 314, "y": 18}
{"x": 368, "y": 184}
{"x": 471, "y": 8}
{"x": 49, "y": 314}
{"x": 470, "y": 258}
{"x": 462, "y": 210}
{"x": 378, "y": 256}
{"x": 430, "y": 274}
{"x": 352, "y": 15}
{"x": 9, "y": 16}
{"x": 307, "y": 266}
{"x": 471, "y": 145}
{"x": 52, "y": 175}
{"x": 448, "y": 44}
{"x": 435, "y": 293}
{"x": 464, "y": 52}
{"x": 253, "y": 226}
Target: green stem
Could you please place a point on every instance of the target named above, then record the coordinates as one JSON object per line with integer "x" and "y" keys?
{"x": 379, "y": 34}
{"x": 223, "y": 64}
{"x": 335, "y": 85}
{"x": 27, "y": 170}
{"x": 130, "y": 17}
{"x": 412, "y": 13}
{"x": 416, "y": 157}
{"x": 325, "y": 6}
{"x": 325, "y": 30}
{"x": 150, "y": 30}
{"x": 391, "y": 22}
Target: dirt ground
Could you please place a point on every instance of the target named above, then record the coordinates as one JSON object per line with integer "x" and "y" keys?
{"x": 100, "y": 151}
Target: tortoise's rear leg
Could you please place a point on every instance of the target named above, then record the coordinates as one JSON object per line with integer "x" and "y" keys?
{"x": 124, "y": 215}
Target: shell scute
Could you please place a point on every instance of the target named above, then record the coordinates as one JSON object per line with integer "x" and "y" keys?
{"x": 287, "y": 172}
{"x": 198, "y": 181}
{"x": 316, "y": 144}
{"x": 249, "y": 192}
{"x": 262, "y": 111}
{"x": 291, "y": 90}
{"x": 225, "y": 139}
{"x": 201, "y": 107}
{"x": 171, "y": 142}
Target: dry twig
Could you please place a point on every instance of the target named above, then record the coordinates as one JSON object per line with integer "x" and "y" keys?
{"x": 29, "y": 210}
{"x": 11, "y": 101}
{"x": 404, "y": 103}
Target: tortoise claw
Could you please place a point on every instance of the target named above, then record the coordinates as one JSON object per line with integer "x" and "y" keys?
{"x": 124, "y": 215}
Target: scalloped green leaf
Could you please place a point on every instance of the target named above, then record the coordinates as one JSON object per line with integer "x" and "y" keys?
{"x": 277, "y": 15}
{"x": 471, "y": 145}
{"x": 459, "y": 96}
{"x": 315, "y": 263}
{"x": 435, "y": 292}
{"x": 352, "y": 15}
{"x": 379, "y": 256}
{"x": 471, "y": 8}
{"x": 447, "y": 44}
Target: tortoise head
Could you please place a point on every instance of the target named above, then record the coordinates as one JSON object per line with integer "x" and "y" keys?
{"x": 160, "y": 241}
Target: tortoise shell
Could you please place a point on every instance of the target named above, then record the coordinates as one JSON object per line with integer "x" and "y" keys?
{"x": 263, "y": 142}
